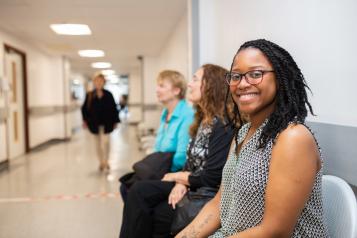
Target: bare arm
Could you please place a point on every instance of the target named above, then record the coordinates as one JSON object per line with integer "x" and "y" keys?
{"x": 294, "y": 164}
{"x": 206, "y": 222}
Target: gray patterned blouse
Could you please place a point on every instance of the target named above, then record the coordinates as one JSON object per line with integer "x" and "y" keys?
{"x": 243, "y": 189}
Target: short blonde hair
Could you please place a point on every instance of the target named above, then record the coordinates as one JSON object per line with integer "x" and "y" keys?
{"x": 98, "y": 75}
{"x": 177, "y": 80}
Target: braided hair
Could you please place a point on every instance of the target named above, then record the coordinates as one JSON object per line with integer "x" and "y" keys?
{"x": 291, "y": 97}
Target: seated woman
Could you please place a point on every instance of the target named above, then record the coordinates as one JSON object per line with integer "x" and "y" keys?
{"x": 176, "y": 119}
{"x": 149, "y": 209}
{"x": 271, "y": 183}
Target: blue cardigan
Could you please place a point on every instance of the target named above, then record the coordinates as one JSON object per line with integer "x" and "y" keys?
{"x": 174, "y": 135}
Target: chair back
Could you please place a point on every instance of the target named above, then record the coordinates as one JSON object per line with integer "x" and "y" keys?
{"x": 340, "y": 207}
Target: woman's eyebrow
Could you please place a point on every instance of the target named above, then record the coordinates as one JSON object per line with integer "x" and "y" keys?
{"x": 249, "y": 68}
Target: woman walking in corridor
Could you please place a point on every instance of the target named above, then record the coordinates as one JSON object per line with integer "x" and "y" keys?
{"x": 100, "y": 116}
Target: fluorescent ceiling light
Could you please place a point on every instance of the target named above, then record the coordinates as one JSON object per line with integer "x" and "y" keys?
{"x": 108, "y": 72}
{"x": 101, "y": 65}
{"x": 91, "y": 53}
{"x": 71, "y": 29}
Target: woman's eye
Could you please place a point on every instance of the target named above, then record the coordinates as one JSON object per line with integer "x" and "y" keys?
{"x": 255, "y": 74}
{"x": 236, "y": 77}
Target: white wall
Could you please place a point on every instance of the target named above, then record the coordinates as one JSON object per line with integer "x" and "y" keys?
{"x": 135, "y": 88}
{"x": 45, "y": 88}
{"x": 174, "y": 55}
{"x": 45, "y": 79}
{"x": 321, "y": 35}
{"x": 151, "y": 70}
{"x": 45, "y": 128}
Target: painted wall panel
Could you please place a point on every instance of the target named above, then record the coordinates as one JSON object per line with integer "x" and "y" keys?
{"x": 320, "y": 35}
{"x": 45, "y": 128}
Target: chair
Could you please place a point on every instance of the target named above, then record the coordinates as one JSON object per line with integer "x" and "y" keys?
{"x": 340, "y": 207}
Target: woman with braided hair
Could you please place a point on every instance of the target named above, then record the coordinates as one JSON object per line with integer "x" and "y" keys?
{"x": 271, "y": 183}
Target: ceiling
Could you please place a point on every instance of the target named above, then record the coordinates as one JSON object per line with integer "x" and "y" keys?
{"x": 124, "y": 29}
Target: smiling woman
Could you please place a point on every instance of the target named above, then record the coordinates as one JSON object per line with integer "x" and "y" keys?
{"x": 253, "y": 91}
{"x": 271, "y": 183}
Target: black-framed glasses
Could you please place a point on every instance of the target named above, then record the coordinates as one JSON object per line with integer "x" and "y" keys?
{"x": 252, "y": 77}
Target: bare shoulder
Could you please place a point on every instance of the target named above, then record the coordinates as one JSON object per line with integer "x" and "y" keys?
{"x": 296, "y": 145}
{"x": 296, "y": 133}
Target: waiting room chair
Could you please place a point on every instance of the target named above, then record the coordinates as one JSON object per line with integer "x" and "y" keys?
{"x": 340, "y": 207}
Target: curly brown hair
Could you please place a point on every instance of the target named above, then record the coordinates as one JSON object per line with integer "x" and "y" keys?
{"x": 212, "y": 104}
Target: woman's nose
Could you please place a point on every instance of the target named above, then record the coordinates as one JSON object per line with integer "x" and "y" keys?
{"x": 243, "y": 82}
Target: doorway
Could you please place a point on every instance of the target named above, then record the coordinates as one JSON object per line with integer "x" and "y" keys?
{"x": 16, "y": 102}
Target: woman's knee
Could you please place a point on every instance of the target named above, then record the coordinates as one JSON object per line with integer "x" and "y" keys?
{"x": 138, "y": 189}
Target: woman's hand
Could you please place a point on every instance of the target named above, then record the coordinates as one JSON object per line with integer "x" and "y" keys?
{"x": 169, "y": 177}
{"x": 177, "y": 194}
{"x": 178, "y": 177}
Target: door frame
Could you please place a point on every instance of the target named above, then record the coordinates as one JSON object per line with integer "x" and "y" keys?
{"x": 8, "y": 48}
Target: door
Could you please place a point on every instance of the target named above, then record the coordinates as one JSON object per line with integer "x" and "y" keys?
{"x": 15, "y": 103}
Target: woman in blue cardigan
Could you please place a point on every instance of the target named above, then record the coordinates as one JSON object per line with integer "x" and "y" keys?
{"x": 175, "y": 121}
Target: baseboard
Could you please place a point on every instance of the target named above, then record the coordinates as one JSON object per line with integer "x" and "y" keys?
{"x": 4, "y": 165}
{"x": 48, "y": 143}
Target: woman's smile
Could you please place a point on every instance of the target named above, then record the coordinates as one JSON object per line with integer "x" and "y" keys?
{"x": 247, "y": 97}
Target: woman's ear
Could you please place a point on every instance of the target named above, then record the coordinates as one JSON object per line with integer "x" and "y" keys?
{"x": 177, "y": 91}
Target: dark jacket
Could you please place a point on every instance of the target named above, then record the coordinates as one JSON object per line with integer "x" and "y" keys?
{"x": 218, "y": 148}
{"x": 100, "y": 112}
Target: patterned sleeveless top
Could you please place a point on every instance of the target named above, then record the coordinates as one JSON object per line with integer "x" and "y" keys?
{"x": 244, "y": 183}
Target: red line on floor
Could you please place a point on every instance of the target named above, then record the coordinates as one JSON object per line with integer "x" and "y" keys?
{"x": 60, "y": 197}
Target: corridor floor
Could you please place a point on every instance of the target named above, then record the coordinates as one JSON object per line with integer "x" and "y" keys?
{"x": 57, "y": 190}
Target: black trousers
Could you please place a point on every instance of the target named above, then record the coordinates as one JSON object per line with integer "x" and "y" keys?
{"x": 146, "y": 210}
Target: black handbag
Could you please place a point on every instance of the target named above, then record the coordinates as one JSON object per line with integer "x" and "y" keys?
{"x": 189, "y": 206}
{"x": 153, "y": 167}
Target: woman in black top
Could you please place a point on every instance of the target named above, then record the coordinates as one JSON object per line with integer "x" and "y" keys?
{"x": 100, "y": 116}
{"x": 150, "y": 205}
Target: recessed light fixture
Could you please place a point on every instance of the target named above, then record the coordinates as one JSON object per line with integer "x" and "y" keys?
{"x": 101, "y": 65}
{"x": 91, "y": 53}
{"x": 71, "y": 29}
{"x": 108, "y": 72}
